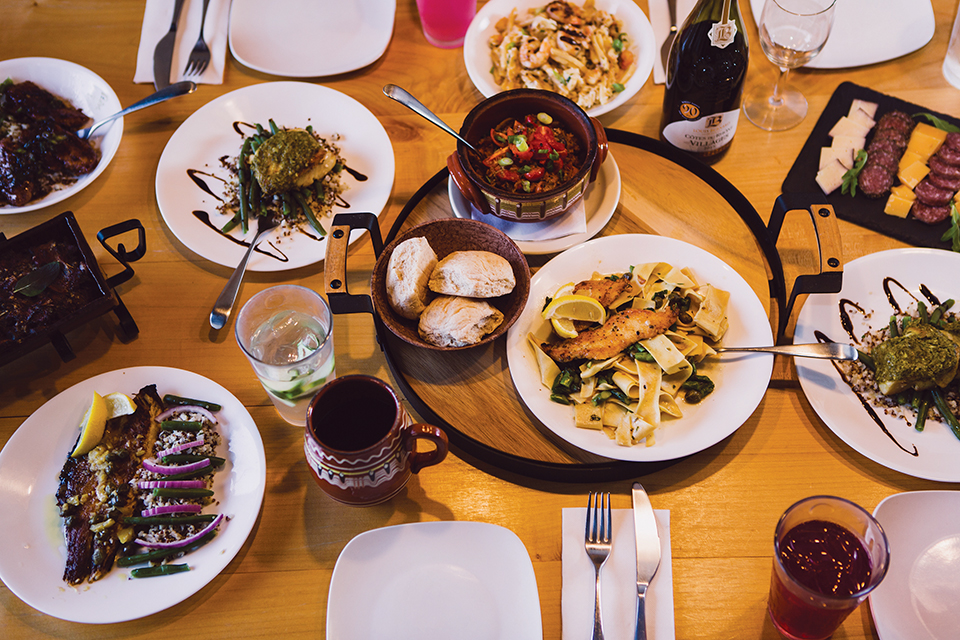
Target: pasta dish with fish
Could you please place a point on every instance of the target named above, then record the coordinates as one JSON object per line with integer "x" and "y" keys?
{"x": 582, "y": 53}
{"x": 624, "y": 349}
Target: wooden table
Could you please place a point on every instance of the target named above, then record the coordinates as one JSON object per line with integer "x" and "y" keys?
{"x": 724, "y": 502}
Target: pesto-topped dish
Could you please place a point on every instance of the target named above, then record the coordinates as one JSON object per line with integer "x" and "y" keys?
{"x": 292, "y": 176}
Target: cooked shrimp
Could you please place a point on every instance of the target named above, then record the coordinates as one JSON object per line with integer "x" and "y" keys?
{"x": 534, "y": 53}
{"x": 563, "y": 13}
{"x": 619, "y": 332}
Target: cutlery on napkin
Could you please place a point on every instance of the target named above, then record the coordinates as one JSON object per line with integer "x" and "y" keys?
{"x": 156, "y": 23}
{"x": 660, "y": 21}
{"x": 619, "y": 581}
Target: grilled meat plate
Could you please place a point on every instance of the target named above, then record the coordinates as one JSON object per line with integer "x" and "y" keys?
{"x": 95, "y": 493}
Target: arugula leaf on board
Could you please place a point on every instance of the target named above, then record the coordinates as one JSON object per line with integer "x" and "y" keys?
{"x": 939, "y": 123}
{"x": 953, "y": 233}
{"x": 851, "y": 176}
{"x": 37, "y": 280}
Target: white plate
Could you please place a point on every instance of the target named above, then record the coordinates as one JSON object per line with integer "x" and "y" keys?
{"x": 870, "y": 31}
{"x": 741, "y": 380}
{"x": 310, "y": 38}
{"x": 834, "y": 401}
{"x": 32, "y": 549}
{"x": 917, "y": 599}
{"x": 83, "y": 89}
{"x": 600, "y": 201}
{"x": 476, "y": 51}
{"x": 208, "y": 135}
{"x": 434, "y": 581}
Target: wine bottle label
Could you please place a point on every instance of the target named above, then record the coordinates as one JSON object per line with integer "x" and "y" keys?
{"x": 701, "y": 134}
{"x": 722, "y": 34}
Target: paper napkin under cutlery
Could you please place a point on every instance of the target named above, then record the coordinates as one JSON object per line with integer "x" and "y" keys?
{"x": 618, "y": 581}
{"x": 660, "y": 21}
{"x": 156, "y": 23}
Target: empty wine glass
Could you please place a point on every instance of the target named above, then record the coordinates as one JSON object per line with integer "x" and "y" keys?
{"x": 792, "y": 33}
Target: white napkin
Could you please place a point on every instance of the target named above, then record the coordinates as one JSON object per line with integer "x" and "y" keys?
{"x": 156, "y": 23}
{"x": 660, "y": 21}
{"x": 572, "y": 222}
{"x": 618, "y": 581}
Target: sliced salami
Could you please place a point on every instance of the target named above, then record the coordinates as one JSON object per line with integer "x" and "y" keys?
{"x": 875, "y": 181}
{"x": 896, "y": 120}
{"x": 886, "y": 159}
{"x": 949, "y": 154}
{"x": 932, "y": 195}
{"x": 953, "y": 140}
{"x": 944, "y": 182}
{"x": 941, "y": 166}
{"x": 897, "y": 138}
{"x": 929, "y": 214}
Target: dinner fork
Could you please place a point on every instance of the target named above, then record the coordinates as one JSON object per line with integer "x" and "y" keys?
{"x": 200, "y": 55}
{"x": 597, "y": 541}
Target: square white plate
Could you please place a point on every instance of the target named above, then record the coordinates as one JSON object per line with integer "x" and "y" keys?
{"x": 917, "y": 599}
{"x": 434, "y": 581}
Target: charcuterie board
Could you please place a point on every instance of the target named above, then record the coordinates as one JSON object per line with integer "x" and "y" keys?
{"x": 859, "y": 209}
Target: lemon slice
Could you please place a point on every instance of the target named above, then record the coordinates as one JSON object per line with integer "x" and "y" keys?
{"x": 564, "y": 327}
{"x": 119, "y": 404}
{"x": 564, "y": 290}
{"x": 575, "y": 307}
{"x": 92, "y": 424}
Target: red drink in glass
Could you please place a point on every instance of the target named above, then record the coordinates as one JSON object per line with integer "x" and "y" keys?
{"x": 445, "y": 22}
{"x": 829, "y": 554}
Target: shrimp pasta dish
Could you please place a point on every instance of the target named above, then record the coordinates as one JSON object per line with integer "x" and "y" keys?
{"x": 582, "y": 53}
{"x": 625, "y": 348}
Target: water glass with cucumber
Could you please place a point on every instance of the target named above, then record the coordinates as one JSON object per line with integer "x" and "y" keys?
{"x": 286, "y": 332}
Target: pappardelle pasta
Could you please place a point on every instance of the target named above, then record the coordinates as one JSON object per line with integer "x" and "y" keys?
{"x": 624, "y": 349}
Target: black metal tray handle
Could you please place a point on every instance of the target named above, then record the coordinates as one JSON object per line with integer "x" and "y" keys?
{"x": 127, "y": 324}
{"x": 335, "y": 263}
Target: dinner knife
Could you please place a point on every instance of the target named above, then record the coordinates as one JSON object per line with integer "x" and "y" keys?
{"x": 648, "y": 552}
{"x": 163, "y": 54}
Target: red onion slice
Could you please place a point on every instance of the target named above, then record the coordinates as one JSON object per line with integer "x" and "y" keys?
{"x": 176, "y": 410}
{"x": 171, "y": 484}
{"x": 181, "y": 447}
{"x": 171, "y": 508}
{"x": 169, "y": 470}
{"x": 186, "y": 541}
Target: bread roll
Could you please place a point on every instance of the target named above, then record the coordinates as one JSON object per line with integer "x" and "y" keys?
{"x": 451, "y": 321}
{"x": 408, "y": 272}
{"x": 473, "y": 274}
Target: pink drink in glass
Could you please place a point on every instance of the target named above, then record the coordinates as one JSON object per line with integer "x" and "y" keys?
{"x": 445, "y": 22}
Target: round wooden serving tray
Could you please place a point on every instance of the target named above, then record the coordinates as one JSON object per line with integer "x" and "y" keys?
{"x": 470, "y": 393}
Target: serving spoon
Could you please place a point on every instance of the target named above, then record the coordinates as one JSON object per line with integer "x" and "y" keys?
{"x": 823, "y": 350}
{"x": 402, "y": 96}
{"x": 174, "y": 90}
{"x": 223, "y": 307}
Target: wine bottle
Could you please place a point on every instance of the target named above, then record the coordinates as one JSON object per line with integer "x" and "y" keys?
{"x": 705, "y": 71}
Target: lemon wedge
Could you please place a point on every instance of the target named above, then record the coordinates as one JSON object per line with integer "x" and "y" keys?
{"x": 564, "y": 290}
{"x": 119, "y": 404}
{"x": 91, "y": 426}
{"x": 575, "y": 307}
{"x": 564, "y": 327}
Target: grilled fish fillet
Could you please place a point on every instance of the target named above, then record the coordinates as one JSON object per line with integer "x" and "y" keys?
{"x": 620, "y": 331}
{"x": 605, "y": 291}
{"x": 95, "y": 495}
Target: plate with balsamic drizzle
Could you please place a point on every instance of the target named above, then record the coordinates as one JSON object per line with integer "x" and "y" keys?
{"x": 193, "y": 181}
{"x": 876, "y": 287}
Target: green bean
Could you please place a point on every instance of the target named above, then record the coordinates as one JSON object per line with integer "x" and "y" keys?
{"x": 922, "y": 312}
{"x": 180, "y": 400}
{"x": 255, "y": 197}
{"x": 287, "y": 205}
{"x": 308, "y": 212}
{"x": 166, "y": 552}
{"x": 867, "y": 360}
{"x": 894, "y": 330}
{"x": 180, "y": 425}
{"x": 945, "y": 411}
{"x": 181, "y": 458}
{"x": 273, "y": 126}
{"x": 149, "y": 521}
{"x": 187, "y": 475}
{"x": 160, "y": 570}
{"x": 181, "y": 492}
{"x": 922, "y": 407}
{"x": 261, "y": 131}
{"x": 231, "y": 224}
{"x": 939, "y": 312}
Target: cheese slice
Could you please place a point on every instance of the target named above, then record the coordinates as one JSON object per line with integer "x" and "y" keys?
{"x": 831, "y": 177}
{"x": 870, "y": 108}
{"x": 847, "y": 126}
{"x": 862, "y": 117}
